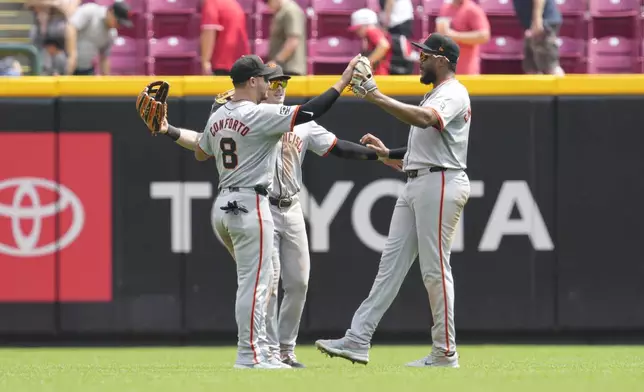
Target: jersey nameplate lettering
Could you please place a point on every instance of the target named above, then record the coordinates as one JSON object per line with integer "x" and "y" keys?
{"x": 231, "y": 125}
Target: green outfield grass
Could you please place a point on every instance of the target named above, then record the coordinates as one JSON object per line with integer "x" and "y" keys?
{"x": 483, "y": 368}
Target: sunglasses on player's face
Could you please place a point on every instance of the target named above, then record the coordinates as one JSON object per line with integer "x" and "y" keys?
{"x": 425, "y": 56}
{"x": 274, "y": 84}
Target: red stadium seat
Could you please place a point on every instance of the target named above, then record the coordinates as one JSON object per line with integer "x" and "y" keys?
{"x": 612, "y": 55}
{"x": 173, "y": 56}
{"x": 330, "y": 55}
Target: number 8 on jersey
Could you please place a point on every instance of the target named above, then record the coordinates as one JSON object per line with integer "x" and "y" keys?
{"x": 228, "y": 148}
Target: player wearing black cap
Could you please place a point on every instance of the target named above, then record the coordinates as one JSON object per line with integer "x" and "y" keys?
{"x": 429, "y": 208}
{"x": 242, "y": 136}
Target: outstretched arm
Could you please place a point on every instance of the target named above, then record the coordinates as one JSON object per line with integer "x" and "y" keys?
{"x": 184, "y": 137}
{"x": 423, "y": 117}
{"x": 392, "y": 158}
{"x": 349, "y": 150}
{"x": 319, "y": 105}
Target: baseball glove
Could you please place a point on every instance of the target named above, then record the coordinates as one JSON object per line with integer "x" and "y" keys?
{"x": 221, "y": 99}
{"x": 151, "y": 105}
{"x": 362, "y": 81}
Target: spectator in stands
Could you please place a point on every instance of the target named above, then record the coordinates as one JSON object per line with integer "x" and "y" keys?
{"x": 9, "y": 66}
{"x": 223, "y": 36}
{"x": 50, "y": 18}
{"x": 375, "y": 41}
{"x": 90, "y": 32}
{"x": 466, "y": 23}
{"x": 542, "y": 21}
{"x": 397, "y": 16}
{"x": 54, "y": 60}
{"x": 287, "y": 39}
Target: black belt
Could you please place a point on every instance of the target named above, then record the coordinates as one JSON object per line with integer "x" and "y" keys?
{"x": 433, "y": 169}
{"x": 281, "y": 203}
{"x": 259, "y": 189}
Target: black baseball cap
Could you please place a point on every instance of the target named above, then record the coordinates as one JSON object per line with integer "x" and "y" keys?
{"x": 441, "y": 45}
{"x": 249, "y": 66}
{"x": 278, "y": 73}
{"x": 122, "y": 13}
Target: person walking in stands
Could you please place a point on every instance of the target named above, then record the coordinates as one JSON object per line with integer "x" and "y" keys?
{"x": 90, "y": 32}
{"x": 287, "y": 39}
{"x": 223, "y": 36}
{"x": 465, "y": 22}
{"x": 542, "y": 20}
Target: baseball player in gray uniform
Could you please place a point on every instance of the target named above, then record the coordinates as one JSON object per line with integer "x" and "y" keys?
{"x": 243, "y": 137}
{"x": 291, "y": 258}
{"x": 428, "y": 210}
{"x": 291, "y": 252}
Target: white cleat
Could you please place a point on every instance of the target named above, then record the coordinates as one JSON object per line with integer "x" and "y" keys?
{"x": 277, "y": 362}
{"x": 270, "y": 364}
{"x": 436, "y": 361}
{"x": 344, "y": 348}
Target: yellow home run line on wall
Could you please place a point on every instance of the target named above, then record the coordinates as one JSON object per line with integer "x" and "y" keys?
{"x": 307, "y": 86}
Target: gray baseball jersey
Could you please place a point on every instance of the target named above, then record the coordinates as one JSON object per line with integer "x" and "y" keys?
{"x": 243, "y": 138}
{"x": 291, "y": 258}
{"x": 291, "y": 151}
{"x": 447, "y": 148}
{"x": 424, "y": 220}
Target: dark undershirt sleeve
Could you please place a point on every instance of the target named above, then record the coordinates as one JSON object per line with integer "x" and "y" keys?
{"x": 349, "y": 150}
{"x": 316, "y": 107}
{"x": 397, "y": 153}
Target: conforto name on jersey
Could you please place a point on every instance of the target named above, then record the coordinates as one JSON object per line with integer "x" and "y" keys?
{"x": 229, "y": 124}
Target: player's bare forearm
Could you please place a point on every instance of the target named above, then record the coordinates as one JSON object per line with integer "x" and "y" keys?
{"x": 186, "y": 138}
{"x": 189, "y": 139}
{"x": 339, "y": 86}
{"x": 349, "y": 150}
{"x": 409, "y": 114}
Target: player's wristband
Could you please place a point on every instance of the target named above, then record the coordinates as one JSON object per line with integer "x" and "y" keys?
{"x": 173, "y": 133}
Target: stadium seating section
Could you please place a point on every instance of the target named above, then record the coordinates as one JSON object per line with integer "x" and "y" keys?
{"x": 597, "y": 36}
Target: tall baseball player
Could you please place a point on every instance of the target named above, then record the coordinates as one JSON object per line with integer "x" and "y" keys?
{"x": 291, "y": 257}
{"x": 429, "y": 208}
{"x": 242, "y": 137}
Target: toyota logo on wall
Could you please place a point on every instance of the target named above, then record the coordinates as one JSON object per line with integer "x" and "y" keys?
{"x": 26, "y": 241}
